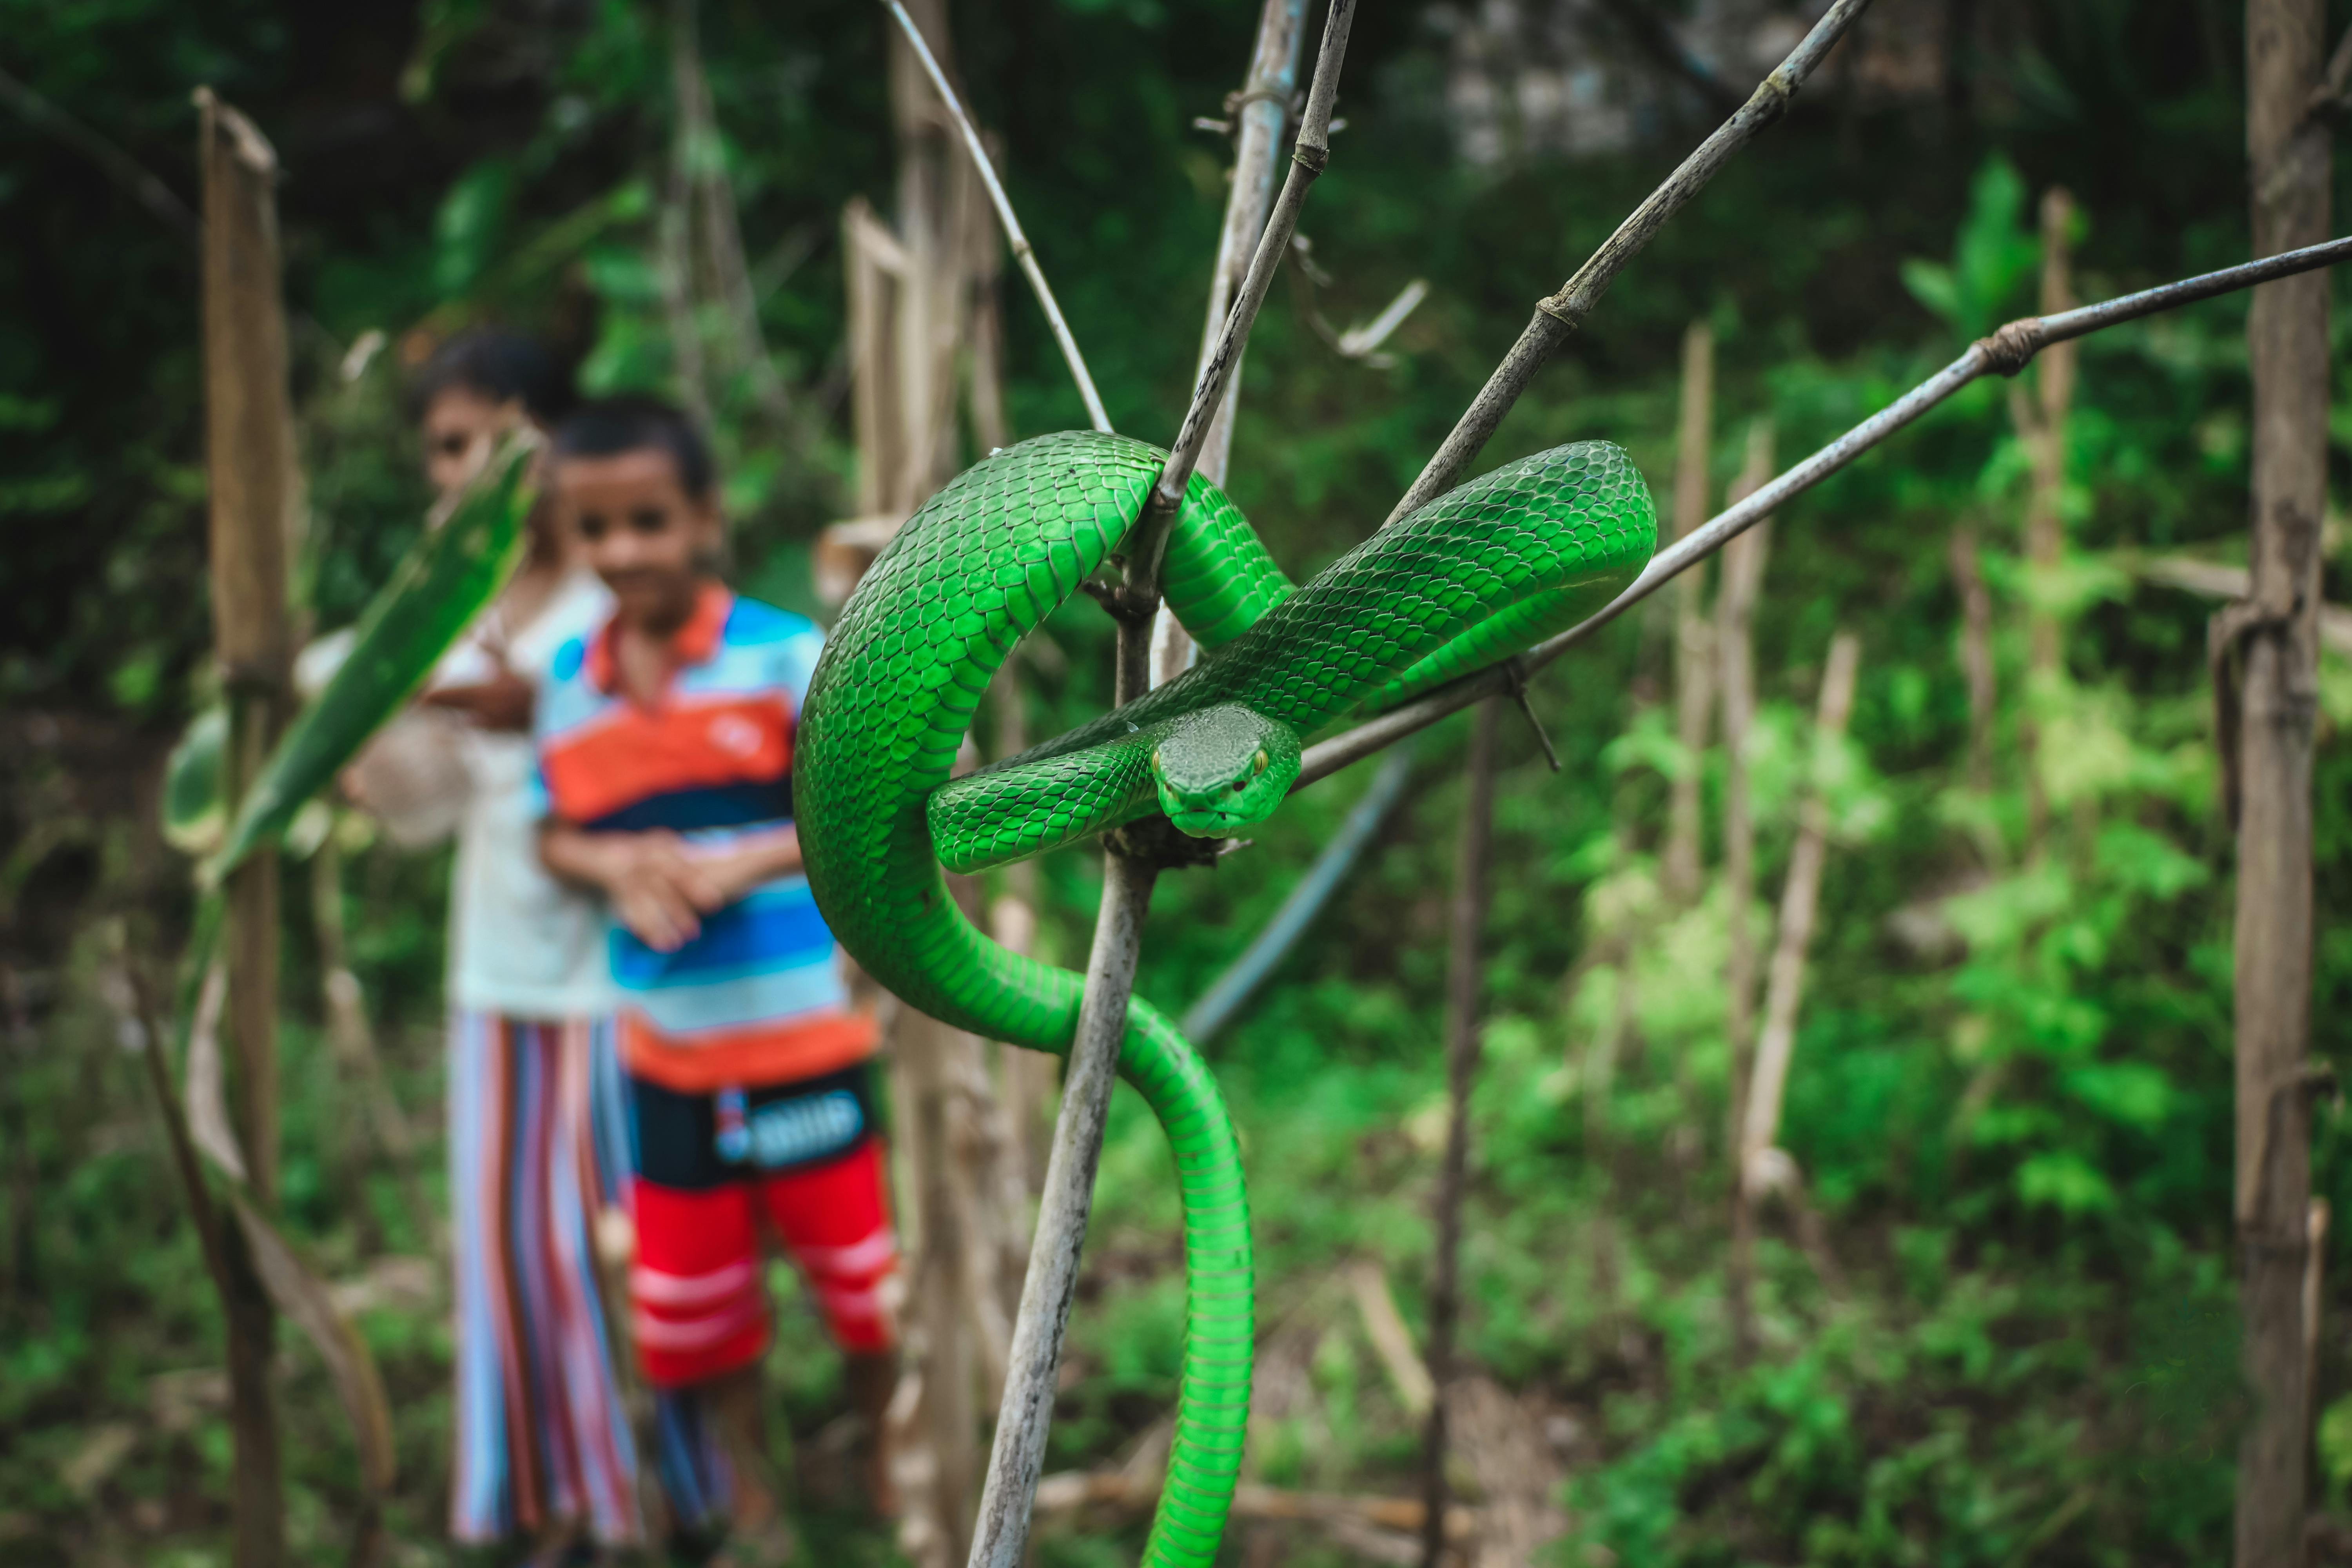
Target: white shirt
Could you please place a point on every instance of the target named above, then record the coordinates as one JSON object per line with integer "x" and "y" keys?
{"x": 520, "y": 942}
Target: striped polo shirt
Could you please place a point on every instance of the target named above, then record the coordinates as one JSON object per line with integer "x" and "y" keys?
{"x": 756, "y": 997}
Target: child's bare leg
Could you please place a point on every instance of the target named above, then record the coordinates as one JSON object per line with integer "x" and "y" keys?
{"x": 760, "y": 1535}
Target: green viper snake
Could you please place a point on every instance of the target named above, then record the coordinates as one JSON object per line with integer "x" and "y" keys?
{"x": 1477, "y": 576}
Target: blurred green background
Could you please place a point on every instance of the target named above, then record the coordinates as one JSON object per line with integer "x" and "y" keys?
{"x": 2011, "y": 1098}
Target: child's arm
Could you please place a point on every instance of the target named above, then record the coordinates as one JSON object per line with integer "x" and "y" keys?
{"x": 658, "y": 889}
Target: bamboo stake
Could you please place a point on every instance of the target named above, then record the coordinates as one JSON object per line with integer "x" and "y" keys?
{"x": 1260, "y": 110}
{"x": 249, "y": 442}
{"x": 1694, "y": 671}
{"x": 1743, "y": 583}
{"x": 2041, "y": 425}
{"x": 2288, "y": 172}
{"x": 1014, "y": 234}
{"x": 1799, "y": 902}
{"x": 1463, "y": 975}
{"x": 1018, "y": 1453}
{"x": 2005, "y": 353}
{"x": 1976, "y": 653}
{"x": 1558, "y": 315}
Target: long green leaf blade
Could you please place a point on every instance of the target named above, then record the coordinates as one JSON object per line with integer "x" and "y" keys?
{"x": 434, "y": 595}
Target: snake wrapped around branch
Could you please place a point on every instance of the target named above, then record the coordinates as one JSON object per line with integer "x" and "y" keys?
{"x": 1472, "y": 578}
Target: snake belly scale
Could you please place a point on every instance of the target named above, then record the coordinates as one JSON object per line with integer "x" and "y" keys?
{"x": 1477, "y": 574}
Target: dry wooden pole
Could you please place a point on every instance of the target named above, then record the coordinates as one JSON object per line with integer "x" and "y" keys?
{"x": 1735, "y": 609}
{"x": 1800, "y": 900}
{"x": 1694, "y": 669}
{"x": 2005, "y": 353}
{"x": 1018, "y": 1453}
{"x": 1260, "y": 110}
{"x": 250, "y": 447}
{"x": 2041, "y": 424}
{"x": 2278, "y": 626}
{"x": 1463, "y": 974}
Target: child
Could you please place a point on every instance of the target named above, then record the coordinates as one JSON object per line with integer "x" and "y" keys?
{"x": 542, "y": 1442}
{"x": 666, "y": 750}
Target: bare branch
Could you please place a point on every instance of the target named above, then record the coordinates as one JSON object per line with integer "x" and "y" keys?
{"x": 1149, "y": 540}
{"x": 1560, "y": 314}
{"x": 1014, "y": 234}
{"x": 119, "y": 166}
{"x": 2007, "y": 350}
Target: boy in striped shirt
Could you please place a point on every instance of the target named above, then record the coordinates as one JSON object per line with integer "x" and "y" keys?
{"x": 665, "y": 750}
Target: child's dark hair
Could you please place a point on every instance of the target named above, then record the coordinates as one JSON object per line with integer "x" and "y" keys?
{"x": 503, "y": 366}
{"x": 612, "y": 425}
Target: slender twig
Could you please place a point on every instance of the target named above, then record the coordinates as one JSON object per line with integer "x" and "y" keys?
{"x": 1014, "y": 234}
{"x": 119, "y": 166}
{"x": 1558, "y": 315}
{"x": 1149, "y": 538}
{"x": 2007, "y": 352}
{"x": 1018, "y": 1452}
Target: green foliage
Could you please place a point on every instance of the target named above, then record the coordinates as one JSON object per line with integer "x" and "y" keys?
{"x": 2011, "y": 1098}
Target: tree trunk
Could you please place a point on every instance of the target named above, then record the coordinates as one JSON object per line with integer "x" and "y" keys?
{"x": 2286, "y": 342}
{"x": 1463, "y": 974}
{"x": 250, "y": 447}
{"x": 1694, "y": 667}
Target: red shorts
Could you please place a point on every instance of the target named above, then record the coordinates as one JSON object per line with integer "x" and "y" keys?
{"x": 803, "y": 1157}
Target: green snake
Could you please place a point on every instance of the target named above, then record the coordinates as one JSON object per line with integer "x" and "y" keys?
{"x": 1473, "y": 577}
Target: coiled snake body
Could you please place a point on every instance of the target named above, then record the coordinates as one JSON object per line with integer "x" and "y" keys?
{"x": 1473, "y": 577}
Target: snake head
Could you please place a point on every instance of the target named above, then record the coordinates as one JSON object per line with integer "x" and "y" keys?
{"x": 1223, "y": 768}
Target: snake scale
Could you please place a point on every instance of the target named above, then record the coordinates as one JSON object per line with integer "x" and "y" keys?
{"x": 1477, "y": 574}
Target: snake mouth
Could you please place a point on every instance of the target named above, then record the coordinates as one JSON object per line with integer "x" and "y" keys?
{"x": 1207, "y": 822}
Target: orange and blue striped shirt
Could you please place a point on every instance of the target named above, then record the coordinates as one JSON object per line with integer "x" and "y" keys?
{"x": 756, "y": 997}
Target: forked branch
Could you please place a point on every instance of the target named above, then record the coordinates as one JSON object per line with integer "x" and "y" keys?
{"x": 2006, "y": 352}
{"x": 1558, "y": 315}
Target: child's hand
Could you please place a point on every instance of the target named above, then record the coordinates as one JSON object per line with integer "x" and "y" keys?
{"x": 660, "y": 891}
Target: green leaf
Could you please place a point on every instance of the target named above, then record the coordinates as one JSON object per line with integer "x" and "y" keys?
{"x": 434, "y": 593}
{"x": 2066, "y": 1183}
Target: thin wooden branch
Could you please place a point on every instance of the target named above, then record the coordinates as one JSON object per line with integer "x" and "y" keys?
{"x": 1019, "y": 1449}
{"x": 117, "y": 165}
{"x": 1464, "y": 973}
{"x": 1261, "y": 108}
{"x": 1018, "y": 1454}
{"x": 1014, "y": 234}
{"x": 2041, "y": 424}
{"x": 1558, "y": 315}
{"x": 2007, "y": 352}
{"x": 1149, "y": 540}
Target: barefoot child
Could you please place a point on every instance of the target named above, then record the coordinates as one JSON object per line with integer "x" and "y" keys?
{"x": 666, "y": 750}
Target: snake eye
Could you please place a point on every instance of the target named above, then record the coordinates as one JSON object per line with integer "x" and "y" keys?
{"x": 1261, "y": 761}
{"x": 1155, "y": 759}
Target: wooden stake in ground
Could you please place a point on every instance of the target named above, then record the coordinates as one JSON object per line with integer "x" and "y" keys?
{"x": 1761, "y": 1168}
{"x": 2041, "y": 424}
{"x": 1463, "y": 974}
{"x": 1694, "y": 667}
{"x": 249, "y": 450}
{"x": 1735, "y": 609}
{"x": 1976, "y": 653}
{"x": 2277, "y": 629}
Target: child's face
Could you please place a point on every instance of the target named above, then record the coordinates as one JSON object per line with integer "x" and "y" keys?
{"x": 457, "y": 421}
{"x": 646, "y": 537}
